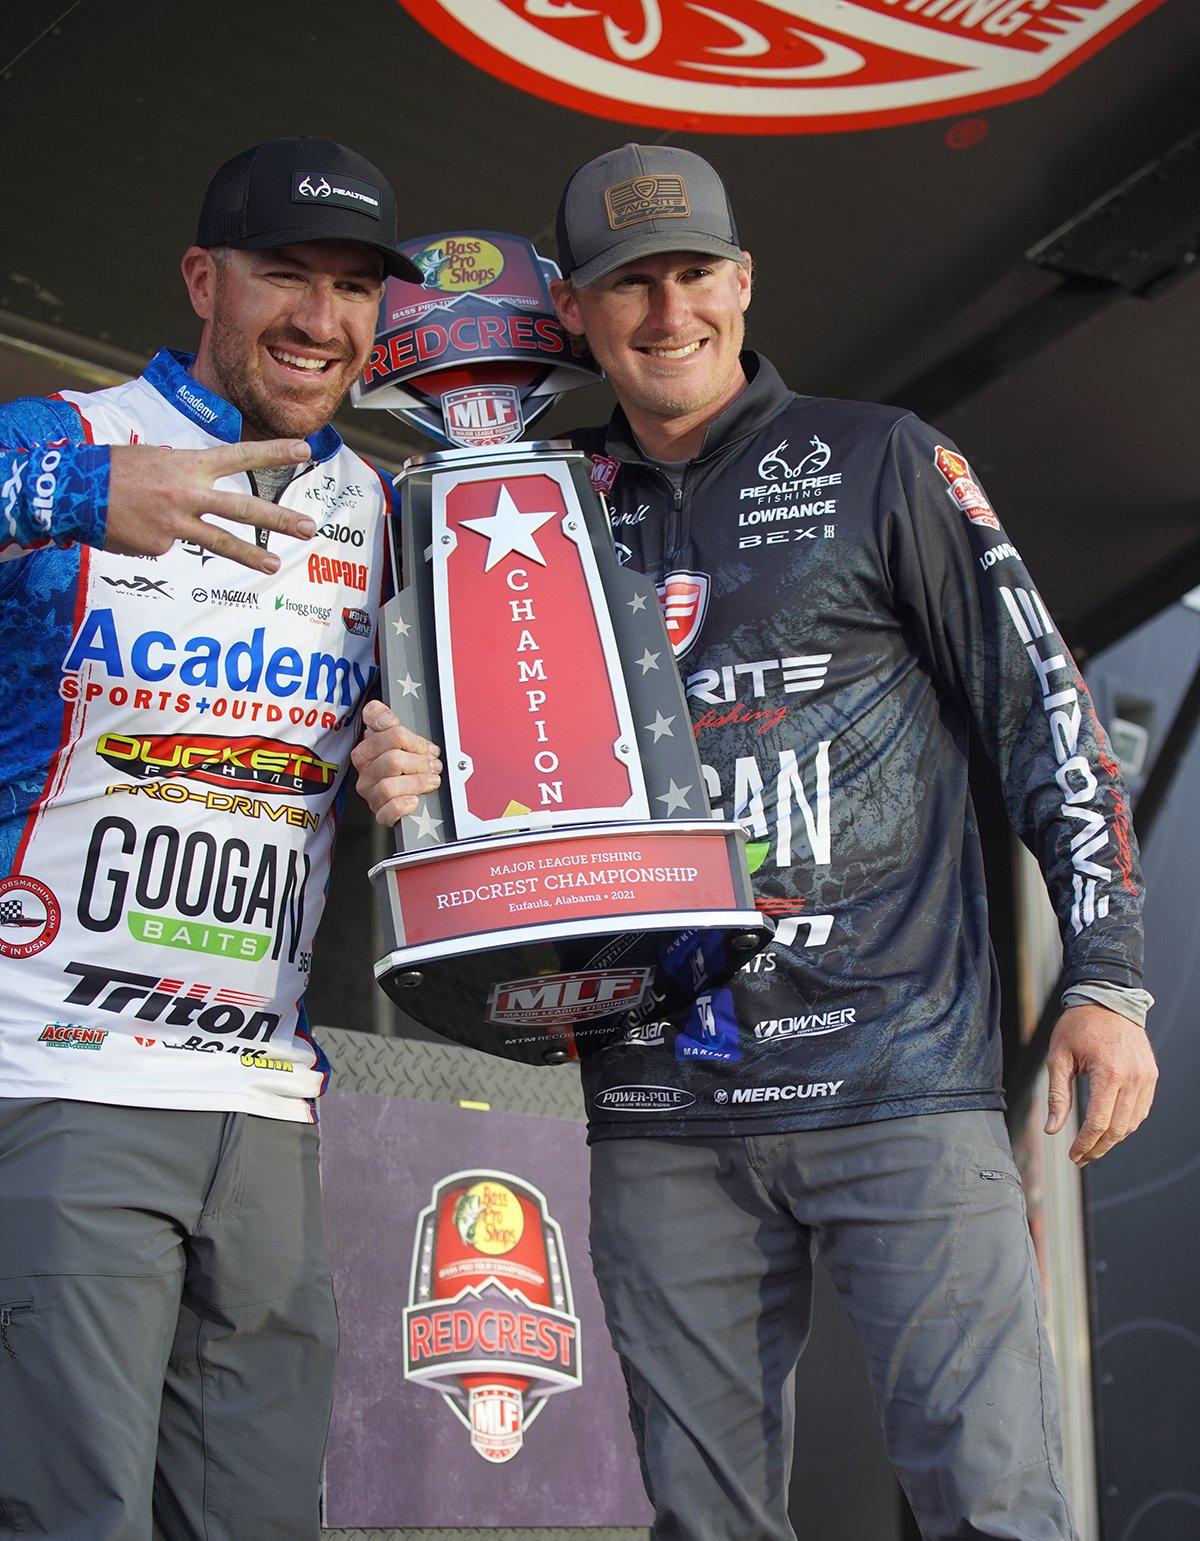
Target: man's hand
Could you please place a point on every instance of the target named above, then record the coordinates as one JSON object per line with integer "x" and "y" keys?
{"x": 1116, "y": 1056}
{"x": 394, "y": 765}
{"x": 157, "y": 496}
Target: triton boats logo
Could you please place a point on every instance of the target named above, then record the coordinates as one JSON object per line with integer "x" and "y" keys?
{"x": 781, "y": 66}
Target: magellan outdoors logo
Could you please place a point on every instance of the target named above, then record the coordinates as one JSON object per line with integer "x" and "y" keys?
{"x": 29, "y": 917}
{"x": 684, "y": 600}
{"x": 242, "y": 764}
{"x": 490, "y": 1322}
{"x": 781, "y": 66}
{"x": 628, "y": 203}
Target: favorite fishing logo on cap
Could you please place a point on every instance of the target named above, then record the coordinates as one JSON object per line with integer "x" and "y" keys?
{"x": 490, "y": 1322}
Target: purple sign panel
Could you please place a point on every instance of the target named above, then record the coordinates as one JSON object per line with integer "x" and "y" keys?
{"x": 475, "y": 1366}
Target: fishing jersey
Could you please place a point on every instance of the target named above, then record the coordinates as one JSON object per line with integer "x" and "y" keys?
{"x": 843, "y": 604}
{"x": 174, "y": 737}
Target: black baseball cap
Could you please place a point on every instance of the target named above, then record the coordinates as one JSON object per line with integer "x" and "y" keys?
{"x": 285, "y": 191}
{"x": 639, "y": 200}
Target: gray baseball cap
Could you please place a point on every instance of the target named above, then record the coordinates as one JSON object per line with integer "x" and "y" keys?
{"x": 639, "y": 200}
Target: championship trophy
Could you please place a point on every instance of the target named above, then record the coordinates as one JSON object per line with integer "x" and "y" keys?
{"x": 566, "y": 882}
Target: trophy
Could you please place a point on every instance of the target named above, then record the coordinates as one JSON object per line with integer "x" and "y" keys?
{"x": 566, "y": 882}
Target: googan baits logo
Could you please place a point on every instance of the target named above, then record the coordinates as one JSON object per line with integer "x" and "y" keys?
{"x": 490, "y": 1322}
{"x": 779, "y": 66}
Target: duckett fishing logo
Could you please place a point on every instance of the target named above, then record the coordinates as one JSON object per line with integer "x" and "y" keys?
{"x": 781, "y": 66}
{"x": 490, "y": 1322}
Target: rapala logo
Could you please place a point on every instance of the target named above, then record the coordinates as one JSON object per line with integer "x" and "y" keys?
{"x": 332, "y": 569}
{"x": 244, "y": 667}
{"x": 726, "y": 67}
{"x": 796, "y": 1092}
{"x": 241, "y": 764}
{"x": 174, "y": 1002}
{"x": 490, "y": 1322}
{"x": 568, "y": 997}
{"x": 643, "y": 1099}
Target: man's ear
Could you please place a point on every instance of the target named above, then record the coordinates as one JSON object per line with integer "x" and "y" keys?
{"x": 566, "y": 303}
{"x": 745, "y": 279}
{"x": 199, "y": 269}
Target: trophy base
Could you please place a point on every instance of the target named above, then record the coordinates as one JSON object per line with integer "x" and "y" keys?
{"x": 545, "y": 947}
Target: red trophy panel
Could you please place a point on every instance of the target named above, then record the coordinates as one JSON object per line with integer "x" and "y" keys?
{"x": 537, "y": 717}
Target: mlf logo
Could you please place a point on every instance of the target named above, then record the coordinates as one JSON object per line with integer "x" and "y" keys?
{"x": 675, "y": 64}
{"x": 684, "y": 600}
{"x": 553, "y": 998}
{"x": 482, "y": 415}
{"x": 490, "y": 1322}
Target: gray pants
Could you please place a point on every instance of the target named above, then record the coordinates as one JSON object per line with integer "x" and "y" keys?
{"x": 167, "y": 1325}
{"x": 703, "y": 1252}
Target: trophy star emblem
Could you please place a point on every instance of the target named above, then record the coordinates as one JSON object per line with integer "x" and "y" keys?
{"x": 661, "y": 727}
{"x": 401, "y": 626}
{"x": 648, "y": 661}
{"x": 509, "y": 530}
{"x": 427, "y": 825}
{"x": 409, "y": 686}
{"x": 674, "y": 797}
{"x": 638, "y": 602}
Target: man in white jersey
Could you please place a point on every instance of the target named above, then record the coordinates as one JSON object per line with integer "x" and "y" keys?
{"x": 179, "y": 711}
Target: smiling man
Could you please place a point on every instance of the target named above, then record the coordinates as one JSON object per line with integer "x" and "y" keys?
{"x": 177, "y": 720}
{"x": 842, "y": 1097}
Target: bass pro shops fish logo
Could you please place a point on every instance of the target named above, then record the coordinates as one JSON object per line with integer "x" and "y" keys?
{"x": 777, "y": 66}
{"x": 490, "y": 1322}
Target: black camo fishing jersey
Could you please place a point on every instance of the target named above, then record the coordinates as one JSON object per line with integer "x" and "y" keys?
{"x": 843, "y": 603}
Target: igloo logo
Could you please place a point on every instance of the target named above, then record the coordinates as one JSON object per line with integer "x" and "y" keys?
{"x": 777, "y": 66}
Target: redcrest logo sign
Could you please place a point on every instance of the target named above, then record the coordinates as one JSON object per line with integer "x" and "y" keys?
{"x": 779, "y": 66}
{"x": 490, "y": 1322}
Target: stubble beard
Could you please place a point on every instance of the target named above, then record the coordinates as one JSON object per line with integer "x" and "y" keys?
{"x": 263, "y": 414}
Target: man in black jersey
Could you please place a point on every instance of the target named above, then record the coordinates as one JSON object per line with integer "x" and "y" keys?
{"x": 848, "y": 605}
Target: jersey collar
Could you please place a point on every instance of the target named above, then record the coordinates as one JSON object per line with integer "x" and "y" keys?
{"x": 765, "y": 393}
{"x": 168, "y": 372}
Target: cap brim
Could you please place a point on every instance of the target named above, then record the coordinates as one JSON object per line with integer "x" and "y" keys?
{"x": 395, "y": 263}
{"x": 650, "y": 244}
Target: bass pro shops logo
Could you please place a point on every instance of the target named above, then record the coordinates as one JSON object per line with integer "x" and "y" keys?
{"x": 490, "y": 1322}
{"x": 779, "y": 66}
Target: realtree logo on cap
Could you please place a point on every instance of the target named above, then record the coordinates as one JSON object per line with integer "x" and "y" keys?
{"x": 641, "y": 198}
{"x": 345, "y": 192}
